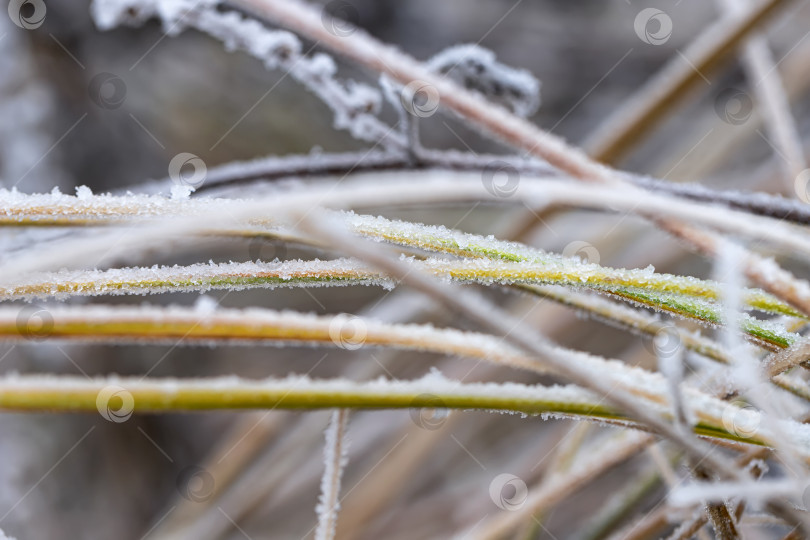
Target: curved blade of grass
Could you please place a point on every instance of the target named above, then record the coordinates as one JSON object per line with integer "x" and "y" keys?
{"x": 58, "y": 209}
{"x": 176, "y": 325}
{"x": 441, "y": 239}
{"x": 79, "y": 394}
{"x": 234, "y": 276}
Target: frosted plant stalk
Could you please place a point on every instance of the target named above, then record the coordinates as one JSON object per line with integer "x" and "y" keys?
{"x": 354, "y": 105}
{"x": 335, "y": 459}
{"x": 642, "y": 289}
{"x": 435, "y": 239}
{"x": 405, "y": 188}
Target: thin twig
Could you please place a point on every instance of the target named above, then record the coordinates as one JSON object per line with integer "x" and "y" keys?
{"x": 344, "y": 164}
{"x": 561, "y": 485}
{"x": 767, "y": 86}
{"x": 334, "y": 455}
{"x": 630, "y": 123}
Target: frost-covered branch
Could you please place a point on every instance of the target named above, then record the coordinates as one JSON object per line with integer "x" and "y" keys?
{"x": 355, "y": 105}
{"x": 342, "y": 164}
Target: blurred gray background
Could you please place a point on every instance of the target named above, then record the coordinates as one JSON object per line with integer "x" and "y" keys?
{"x": 64, "y": 476}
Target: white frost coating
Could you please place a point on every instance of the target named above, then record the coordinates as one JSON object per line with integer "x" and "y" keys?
{"x": 354, "y": 105}
{"x": 100, "y": 207}
{"x": 747, "y": 373}
{"x": 181, "y": 191}
{"x": 756, "y": 492}
{"x": 335, "y": 458}
{"x": 746, "y": 370}
{"x": 437, "y": 187}
{"x": 298, "y": 273}
{"x": 203, "y": 277}
{"x": 84, "y": 193}
{"x": 206, "y": 305}
{"x": 430, "y": 384}
{"x": 477, "y": 69}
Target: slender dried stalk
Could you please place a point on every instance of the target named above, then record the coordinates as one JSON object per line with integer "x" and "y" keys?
{"x": 723, "y": 524}
{"x": 345, "y": 164}
{"x": 430, "y": 187}
{"x": 335, "y": 458}
{"x": 764, "y": 79}
{"x": 797, "y": 354}
{"x": 561, "y": 485}
{"x": 642, "y": 112}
